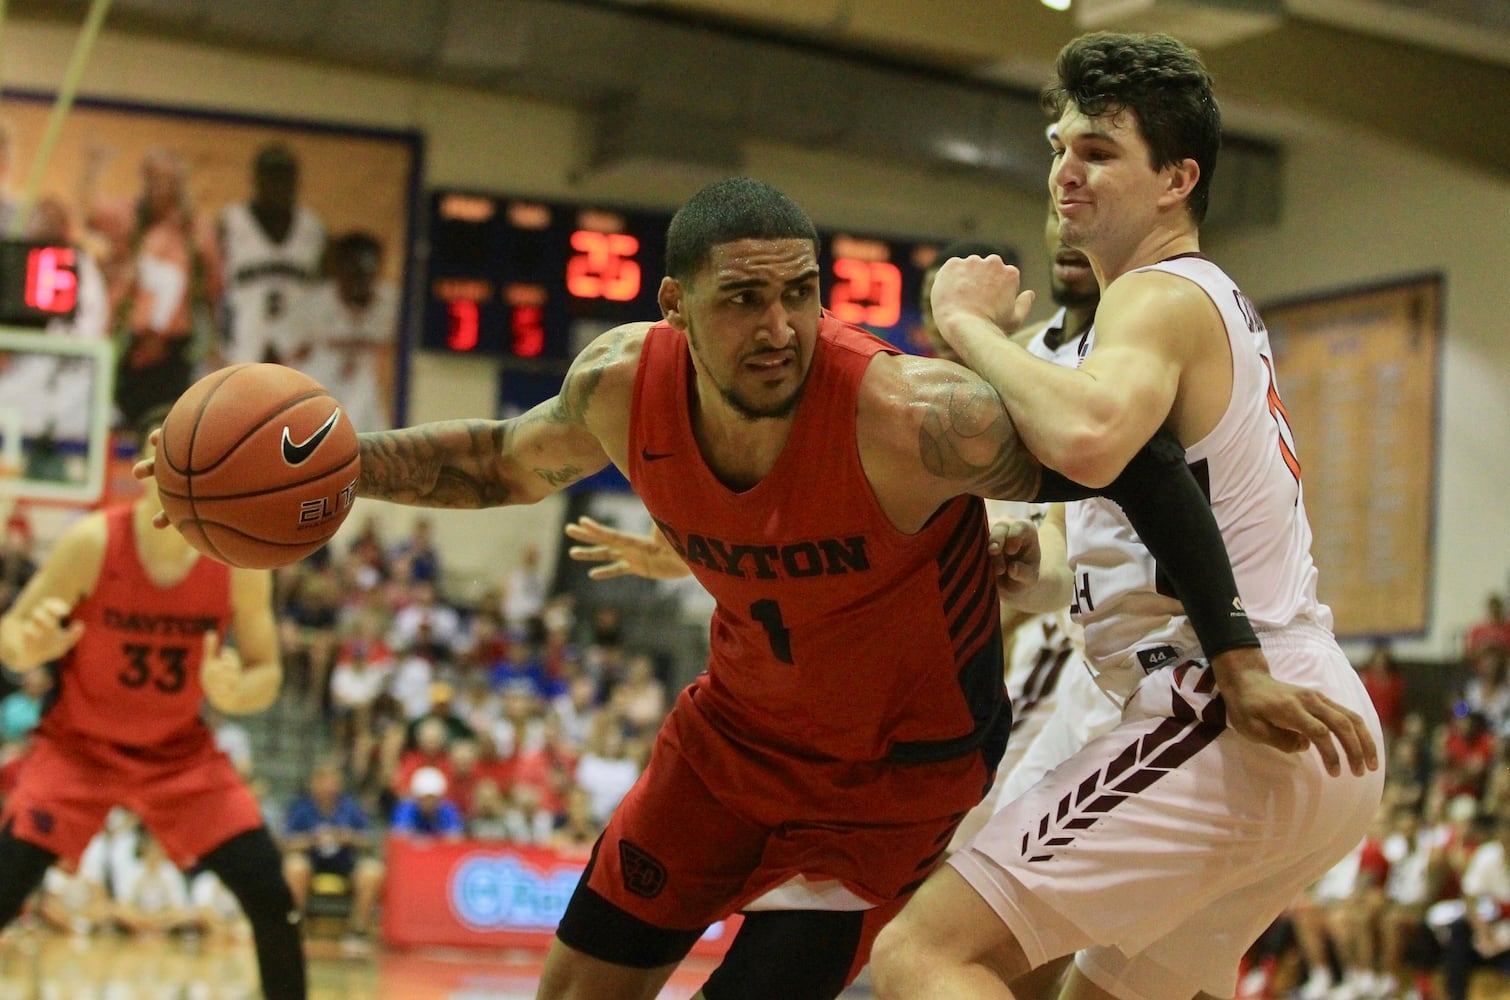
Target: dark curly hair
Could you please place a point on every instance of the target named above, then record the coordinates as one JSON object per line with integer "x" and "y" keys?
{"x": 736, "y": 208}
{"x": 1164, "y": 84}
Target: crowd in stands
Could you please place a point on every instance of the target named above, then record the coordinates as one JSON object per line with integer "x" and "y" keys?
{"x": 1423, "y": 902}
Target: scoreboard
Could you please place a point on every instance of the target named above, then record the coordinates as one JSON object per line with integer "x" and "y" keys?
{"x": 536, "y": 281}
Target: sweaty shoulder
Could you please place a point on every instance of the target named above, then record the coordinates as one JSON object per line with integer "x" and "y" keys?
{"x": 1154, "y": 304}
{"x": 931, "y": 430}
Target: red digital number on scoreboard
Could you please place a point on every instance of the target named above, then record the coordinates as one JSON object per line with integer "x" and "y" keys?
{"x": 51, "y": 282}
{"x": 867, "y": 291}
{"x": 528, "y": 328}
{"x": 462, "y": 335}
{"x": 603, "y": 266}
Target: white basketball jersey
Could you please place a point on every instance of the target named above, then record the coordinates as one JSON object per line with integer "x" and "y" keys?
{"x": 264, "y": 280}
{"x": 1249, "y": 469}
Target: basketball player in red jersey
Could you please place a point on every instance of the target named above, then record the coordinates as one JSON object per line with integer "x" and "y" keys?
{"x": 825, "y": 491}
{"x": 136, "y": 618}
{"x": 1161, "y": 850}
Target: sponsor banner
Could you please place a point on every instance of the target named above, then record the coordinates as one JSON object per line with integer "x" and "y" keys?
{"x": 486, "y": 895}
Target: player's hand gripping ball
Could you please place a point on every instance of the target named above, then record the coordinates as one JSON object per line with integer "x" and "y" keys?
{"x": 257, "y": 465}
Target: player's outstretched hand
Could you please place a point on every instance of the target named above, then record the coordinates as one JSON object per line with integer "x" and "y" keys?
{"x": 622, "y": 553}
{"x": 1015, "y": 556}
{"x": 220, "y": 672}
{"x": 1289, "y": 716}
{"x": 42, "y": 636}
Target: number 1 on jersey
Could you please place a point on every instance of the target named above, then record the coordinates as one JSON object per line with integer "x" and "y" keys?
{"x": 768, "y": 613}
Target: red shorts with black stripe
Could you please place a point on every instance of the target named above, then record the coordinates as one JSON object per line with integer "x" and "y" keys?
{"x": 188, "y": 795}
{"x": 679, "y": 855}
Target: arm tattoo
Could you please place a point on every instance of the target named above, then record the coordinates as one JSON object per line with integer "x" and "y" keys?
{"x": 447, "y": 464}
{"x": 964, "y": 412}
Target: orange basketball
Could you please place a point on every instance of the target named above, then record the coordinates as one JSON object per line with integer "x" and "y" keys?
{"x": 257, "y": 465}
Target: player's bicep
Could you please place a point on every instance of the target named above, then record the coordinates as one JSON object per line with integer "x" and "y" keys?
{"x": 967, "y": 439}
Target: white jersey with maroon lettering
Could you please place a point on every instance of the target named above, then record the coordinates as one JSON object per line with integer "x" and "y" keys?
{"x": 264, "y": 280}
{"x": 1248, "y": 467}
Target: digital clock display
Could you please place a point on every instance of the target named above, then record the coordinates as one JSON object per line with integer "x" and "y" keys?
{"x": 38, "y": 282}
{"x": 537, "y": 281}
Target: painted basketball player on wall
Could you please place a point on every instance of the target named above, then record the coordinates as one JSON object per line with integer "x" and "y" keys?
{"x": 213, "y": 237}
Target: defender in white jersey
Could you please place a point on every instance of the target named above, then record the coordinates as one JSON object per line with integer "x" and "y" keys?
{"x": 1161, "y": 850}
{"x": 272, "y": 246}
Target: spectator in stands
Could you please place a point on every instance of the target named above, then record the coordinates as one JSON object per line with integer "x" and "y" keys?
{"x": 359, "y": 678}
{"x": 20, "y": 710}
{"x": 1468, "y": 749}
{"x": 78, "y": 902}
{"x": 577, "y": 831}
{"x": 415, "y": 676}
{"x": 577, "y": 708}
{"x": 1385, "y": 684}
{"x": 1481, "y": 935}
{"x": 1493, "y": 630}
{"x": 152, "y": 897}
{"x": 464, "y": 773}
{"x": 527, "y": 818}
{"x": 366, "y": 558}
{"x": 520, "y": 664}
{"x": 431, "y": 749}
{"x": 1330, "y": 915}
{"x": 417, "y": 554}
{"x": 328, "y": 834}
{"x": 425, "y": 812}
{"x": 1486, "y": 690}
{"x": 640, "y": 698}
{"x": 1411, "y": 888}
{"x": 489, "y": 818}
{"x": 426, "y": 609}
{"x": 308, "y": 613}
{"x": 524, "y": 589}
{"x": 609, "y": 766}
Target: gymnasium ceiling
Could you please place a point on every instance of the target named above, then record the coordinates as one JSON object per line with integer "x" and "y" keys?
{"x": 948, "y": 83}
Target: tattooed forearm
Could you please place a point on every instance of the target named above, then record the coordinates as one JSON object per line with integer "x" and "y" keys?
{"x": 453, "y": 463}
{"x": 967, "y": 435}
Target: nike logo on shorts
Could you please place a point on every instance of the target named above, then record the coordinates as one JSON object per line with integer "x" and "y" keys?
{"x": 296, "y": 454}
{"x": 654, "y": 456}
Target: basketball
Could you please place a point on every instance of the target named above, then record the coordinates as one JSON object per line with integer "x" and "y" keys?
{"x": 257, "y": 465}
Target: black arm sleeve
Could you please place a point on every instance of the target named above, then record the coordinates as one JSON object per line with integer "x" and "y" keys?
{"x": 1173, "y": 518}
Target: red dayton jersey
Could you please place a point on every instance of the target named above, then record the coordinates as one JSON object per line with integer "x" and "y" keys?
{"x": 133, "y": 678}
{"x": 836, "y": 636}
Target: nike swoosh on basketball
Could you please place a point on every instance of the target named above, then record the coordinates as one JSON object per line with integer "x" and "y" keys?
{"x": 654, "y": 456}
{"x": 295, "y": 454}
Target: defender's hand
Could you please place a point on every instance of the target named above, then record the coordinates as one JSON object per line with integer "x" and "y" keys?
{"x": 1288, "y": 716}
{"x": 978, "y": 288}
{"x": 622, "y": 553}
{"x": 1015, "y": 556}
